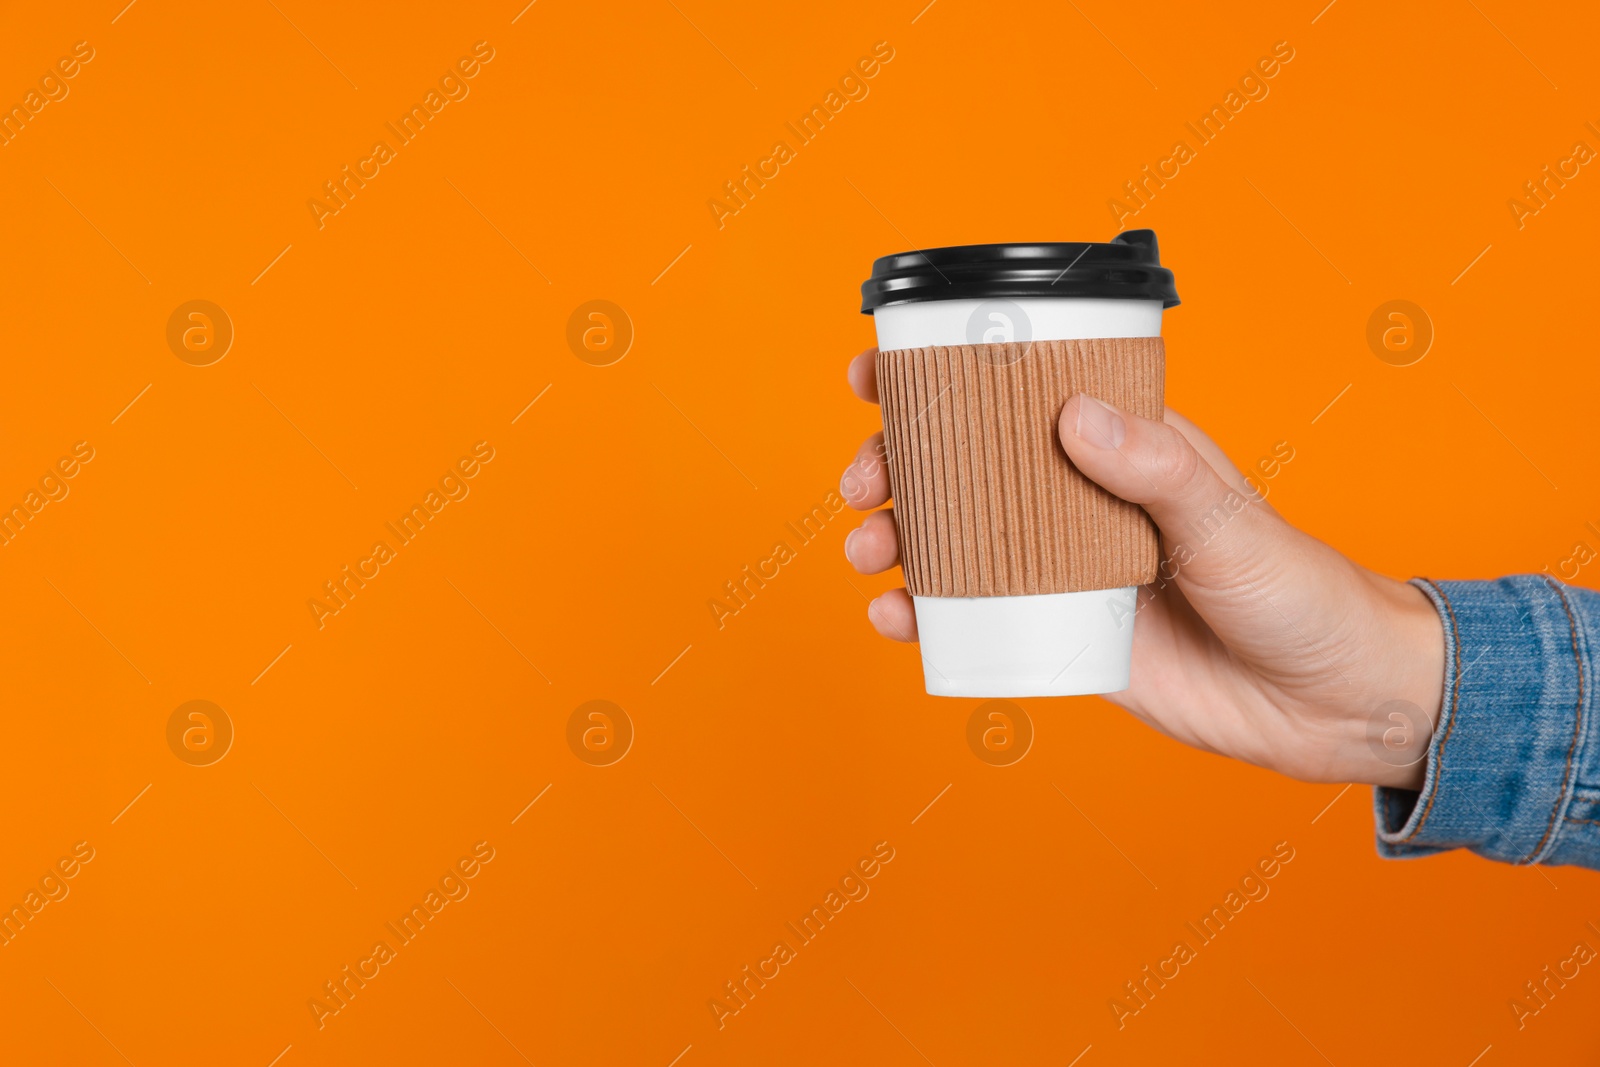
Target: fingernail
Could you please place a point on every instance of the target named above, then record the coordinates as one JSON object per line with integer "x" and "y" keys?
{"x": 849, "y": 540}
{"x": 1099, "y": 424}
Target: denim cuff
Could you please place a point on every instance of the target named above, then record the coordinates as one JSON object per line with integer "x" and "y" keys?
{"x": 1508, "y": 762}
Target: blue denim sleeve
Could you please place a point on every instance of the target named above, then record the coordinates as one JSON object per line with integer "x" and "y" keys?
{"x": 1514, "y": 766}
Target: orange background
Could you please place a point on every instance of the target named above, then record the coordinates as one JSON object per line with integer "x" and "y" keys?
{"x": 775, "y": 752}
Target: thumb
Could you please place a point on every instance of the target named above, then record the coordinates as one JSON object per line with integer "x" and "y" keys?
{"x": 1152, "y": 464}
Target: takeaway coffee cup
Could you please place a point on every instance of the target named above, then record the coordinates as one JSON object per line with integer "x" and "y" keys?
{"x": 1023, "y": 572}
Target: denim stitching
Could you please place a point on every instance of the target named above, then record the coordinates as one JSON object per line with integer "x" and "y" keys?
{"x": 1577, "y": 724}
{"x": 1455, "y": 700}
{"x": 1591, "y": 822}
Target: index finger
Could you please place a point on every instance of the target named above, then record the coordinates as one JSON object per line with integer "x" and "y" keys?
{"x": 863, "y": 375}
{"x": 1214, "y": 455}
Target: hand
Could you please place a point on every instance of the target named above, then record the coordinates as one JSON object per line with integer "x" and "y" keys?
{"x": 1257, "y": 641}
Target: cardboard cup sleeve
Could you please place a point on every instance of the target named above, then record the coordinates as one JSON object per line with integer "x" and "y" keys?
{"x": 985, "y": 500}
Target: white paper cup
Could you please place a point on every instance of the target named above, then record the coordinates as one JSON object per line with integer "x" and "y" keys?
{"x": 1050, "y": 644}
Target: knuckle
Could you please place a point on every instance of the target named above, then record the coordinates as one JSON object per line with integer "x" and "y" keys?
{"x": 1175, "y": 463}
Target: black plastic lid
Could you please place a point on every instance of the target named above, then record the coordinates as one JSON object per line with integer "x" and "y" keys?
{"x": 1128, "y": 267}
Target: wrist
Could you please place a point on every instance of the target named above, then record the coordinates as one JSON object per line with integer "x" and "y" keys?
{"x": 1406, "y": 703}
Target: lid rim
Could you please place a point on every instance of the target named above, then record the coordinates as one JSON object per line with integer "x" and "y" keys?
{"x": 1126, "y": 268}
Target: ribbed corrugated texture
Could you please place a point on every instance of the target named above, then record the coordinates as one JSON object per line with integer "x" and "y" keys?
{"x": 985, "y": 500}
